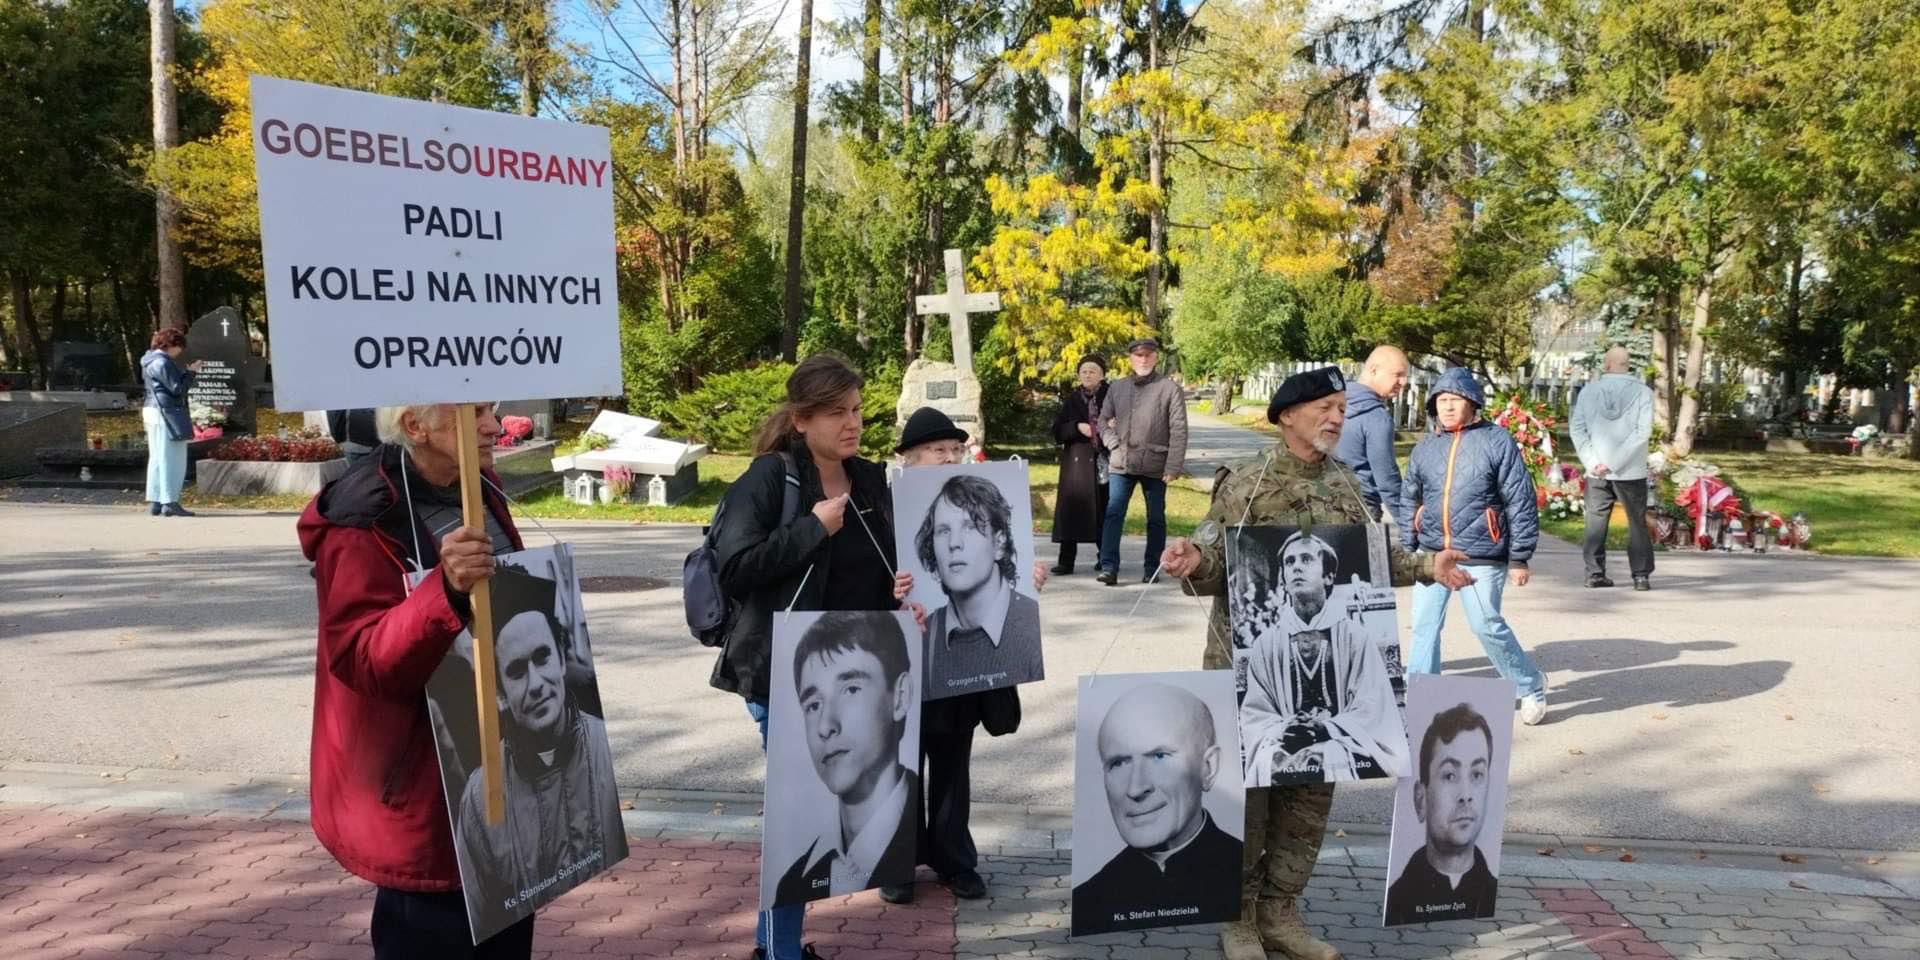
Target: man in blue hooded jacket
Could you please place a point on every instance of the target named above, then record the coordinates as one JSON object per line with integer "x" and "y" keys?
{"x": 1366, "y": 442}
{"x": 1468, "y": 489}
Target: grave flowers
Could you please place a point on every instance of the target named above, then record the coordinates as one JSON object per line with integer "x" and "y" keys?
{"x": 615, "y": 483}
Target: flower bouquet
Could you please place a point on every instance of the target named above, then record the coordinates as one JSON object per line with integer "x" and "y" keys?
{"x": 1532, "y": 429}
{"x": 616, "y": 483}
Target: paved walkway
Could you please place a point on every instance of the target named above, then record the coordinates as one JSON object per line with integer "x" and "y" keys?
{"x": 1746, "y": 700}
{"x": 235, "y": 872}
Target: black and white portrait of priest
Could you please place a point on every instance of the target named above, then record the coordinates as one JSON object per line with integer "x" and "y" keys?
{"x": 1318, "y": 702}
{"x": 972, "y": 545}
{"x": 1159, "y": 807}
{"x": 562, "y": 823}
{"x": 843, "y": 746}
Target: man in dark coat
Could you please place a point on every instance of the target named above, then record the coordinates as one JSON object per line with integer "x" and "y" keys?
{"x": 1159, "y": 755}
{"x": 1448, "y": 879}
{"x": 856, "y": 690}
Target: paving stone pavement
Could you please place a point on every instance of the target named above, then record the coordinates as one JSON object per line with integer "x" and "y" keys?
{"x": 108, "y": 880}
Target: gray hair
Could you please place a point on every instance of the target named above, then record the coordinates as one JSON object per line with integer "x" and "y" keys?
{"x": 387, "y": 421}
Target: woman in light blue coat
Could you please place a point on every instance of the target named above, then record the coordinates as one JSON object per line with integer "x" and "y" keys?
{"x": 168, "y": 426}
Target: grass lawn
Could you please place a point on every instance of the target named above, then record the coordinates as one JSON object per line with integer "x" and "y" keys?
{"x": 1858, "y": 506}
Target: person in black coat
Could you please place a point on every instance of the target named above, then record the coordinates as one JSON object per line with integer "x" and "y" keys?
{"x": 1080, "y": 504}
{"x": 837, "y": 554}
{"x": 946, "y": 845}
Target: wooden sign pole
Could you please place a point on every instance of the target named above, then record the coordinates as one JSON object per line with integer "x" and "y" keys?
{"x": 473, "y": 512}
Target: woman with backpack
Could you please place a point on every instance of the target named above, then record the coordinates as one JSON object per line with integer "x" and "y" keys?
{"x": 835, "y": 552}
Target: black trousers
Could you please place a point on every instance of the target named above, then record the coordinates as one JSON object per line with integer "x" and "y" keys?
{"x": 1631, "y": 494}
{"x": 1068, "y": 553}
{"x": 946, "y": 845}
{"x": 414, "y": 926}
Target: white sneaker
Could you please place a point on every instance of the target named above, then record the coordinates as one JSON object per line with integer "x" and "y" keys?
{"x": 1533, "y": 709}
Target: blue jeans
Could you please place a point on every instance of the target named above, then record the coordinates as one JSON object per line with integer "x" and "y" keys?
{"x": 166, "y": 459}
{"x": 778, "y": 930}
{"x": 1119, "y": 492}
{"x": 1482, "y": 602}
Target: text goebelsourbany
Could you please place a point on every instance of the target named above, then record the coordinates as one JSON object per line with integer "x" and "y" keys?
{"x": 368, "y": 283}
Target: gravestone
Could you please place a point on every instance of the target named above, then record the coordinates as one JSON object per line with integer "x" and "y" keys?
{"x": 950, "y": 388}
{"x": 222, "y": 393}
{"x": 27, "y": 426}
{"x": 634, "y": 443}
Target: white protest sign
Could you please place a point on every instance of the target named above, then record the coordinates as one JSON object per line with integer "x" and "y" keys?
{"x": 423, "y": 253}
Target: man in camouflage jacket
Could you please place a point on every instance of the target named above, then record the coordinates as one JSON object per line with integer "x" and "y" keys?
{"x": 1296, "y": 483}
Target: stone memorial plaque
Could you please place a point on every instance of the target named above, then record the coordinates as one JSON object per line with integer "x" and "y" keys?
{"x": 943, "y": 390}
{"x": 222, "y": 393}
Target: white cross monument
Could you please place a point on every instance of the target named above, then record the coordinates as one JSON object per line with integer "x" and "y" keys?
{"x": 957, "y": 304}
{"x": 950, "y": 388}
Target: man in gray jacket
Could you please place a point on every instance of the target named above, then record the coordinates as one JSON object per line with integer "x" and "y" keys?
{"x": 1611, "y": 424}
{"x": 1146, "y": 431}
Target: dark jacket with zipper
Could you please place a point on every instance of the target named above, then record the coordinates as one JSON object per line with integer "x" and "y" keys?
{"x": 762, "y": 564}
{"x": 167, "y": 383}
{"x": 376, "y": 797}
{"x": 1366, "y": 445}
{"x": 1468, "y": 489}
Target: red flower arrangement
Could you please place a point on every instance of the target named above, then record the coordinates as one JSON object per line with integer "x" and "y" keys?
{"x": 1532, "y": 430}
{"x": 277, "y": 450}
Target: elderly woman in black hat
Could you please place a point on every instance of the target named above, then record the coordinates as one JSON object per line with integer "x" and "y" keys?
{"x": 946, "y": 845}
{"x": 1081, "y": 503}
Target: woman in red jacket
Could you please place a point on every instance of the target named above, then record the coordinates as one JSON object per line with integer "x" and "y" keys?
{"x": 376, "y": 797}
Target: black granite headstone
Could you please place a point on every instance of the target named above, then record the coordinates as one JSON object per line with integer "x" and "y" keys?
{"x": 222, "y": 394}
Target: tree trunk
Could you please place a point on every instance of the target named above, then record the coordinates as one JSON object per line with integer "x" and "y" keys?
{"x": 1076, "y": 90}
{"x": 166, "y": 136}
{"x": 676, "y": 49}
{"x": 1156, "y": 177}
{"x": 530, "y": 40}
{"x": 57, "y": 310}
{"x": 1663, "y": 372}
{"x": 797, "y": 185}
{"x": 26, "y": 330}
{"x": 1684, "y": 426}
{"x": 1223, "y": 394}
{"x": 870, "y": 71}
{"x": 129, "y": 329}
{"x": 1895, "y": 409}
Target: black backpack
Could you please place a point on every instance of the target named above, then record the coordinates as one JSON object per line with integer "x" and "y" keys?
{"x": 710, "y": 611}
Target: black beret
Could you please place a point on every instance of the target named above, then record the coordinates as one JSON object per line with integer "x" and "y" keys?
{"x": 1305, "y": 388}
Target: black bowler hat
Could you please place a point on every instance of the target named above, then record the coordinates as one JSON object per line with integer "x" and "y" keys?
{"x": 925, "y": 426}
{"x": 1305, "y": 388}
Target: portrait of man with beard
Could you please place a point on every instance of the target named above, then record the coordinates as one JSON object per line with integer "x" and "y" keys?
{"x": 562, "y": 822}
